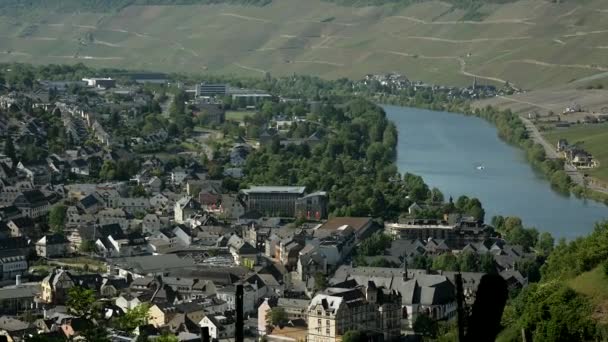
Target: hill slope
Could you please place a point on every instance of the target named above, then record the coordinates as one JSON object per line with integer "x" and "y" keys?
{"x": 532, "y": 43}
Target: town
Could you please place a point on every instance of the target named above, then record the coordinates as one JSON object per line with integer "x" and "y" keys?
{"x": 127, "y": 212}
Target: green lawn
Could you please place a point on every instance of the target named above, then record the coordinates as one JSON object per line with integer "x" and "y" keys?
{"x": 593, "y": 138}
{"x": 238, "y": 115}
{"x": 593, "y": 284}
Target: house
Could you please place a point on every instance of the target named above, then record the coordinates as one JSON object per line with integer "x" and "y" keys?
{"x": 118, "y": 244}
{"x": 242, "y": 252}
{"x": 79, "y": 167}
{"x": 52, "y": 246}
{"x": 289, "y": 250}
{"x": 160, "y": 314}
{"x": 369, "y": 308}
{"x": 113, "y": 216}
{"x": 23, "y": 226}
{"x": 37, "y": 174}
{"x": 183, "y": 235}
{"x": 311, "y": 262}
{"x": 32, "y": 203}
{"x": 12, "y": 265}
{"x": 154, "y": 185}
{"x": 111, "y": 287}
{"x": 185, "y": 208}
{"x": 134, "y": 205}
{"x": 159, "y": 202}
{"x": 127, "y": 302}
{"x": 15, "y": 246}
{"x": 73, "y": 327}
{"x": 421, "y": 293}
{"x": 231, "y": 206}
{"x": 362, "y": 226}
{"x": 91, "y": 204}
{"x": 139, "y": 266}
{"x": 151, "y": 224}
{"x": 9, "y": 212}
{"x": 220, "y": 326}
{"x": 562, "y": 145}
{"x": 55, "y": 287}
{"x": 294, "y": 308}
{"x": 456, "y": 235}
{"x": 14, "y": 329}
{"x": 16, "y": 299}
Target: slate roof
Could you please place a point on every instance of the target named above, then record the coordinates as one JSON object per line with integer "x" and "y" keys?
{"x": 89, "y": 201}
{"x": 52, "y": 239}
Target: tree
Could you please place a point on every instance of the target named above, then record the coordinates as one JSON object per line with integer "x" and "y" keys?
{"x": 9, "y": 148}
{"x": 486, "y": 263}
{"x": 374, "y": 245}
{"x": 277, "y": 317}
{"x": 320, "y": 281}
{"x": 80, "y": 300}
{"x": 545, "y": 243}
{"x": 134, "y": 318}
{"x": 139, "y": 191}
{"x": 354, "y": 336}
{"x": 57, "y": 216}
{"x": 87, "y": 246}
{"x": 446, "y": 262}
{"x": 108, "y": 170}
{"x": 96, "y": 334}
{"x": 467, "y": 262}
{"x": 166, "y": 337}
{"x": 425, "y": 326}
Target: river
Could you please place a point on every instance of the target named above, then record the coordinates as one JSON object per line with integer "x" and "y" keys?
{"x": 446, "y": 149}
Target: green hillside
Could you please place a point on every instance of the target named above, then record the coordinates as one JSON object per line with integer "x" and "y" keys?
{"x": 531, "y": 43}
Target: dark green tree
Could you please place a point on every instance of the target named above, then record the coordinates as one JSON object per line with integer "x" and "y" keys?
{"x": 80, "y": 300}
{"x": 425, "y": 326}
{"x": 57, "y": 216}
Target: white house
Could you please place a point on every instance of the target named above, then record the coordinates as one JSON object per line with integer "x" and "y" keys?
{"x": 185, "y": 208}
{"x": 220, "y": 326}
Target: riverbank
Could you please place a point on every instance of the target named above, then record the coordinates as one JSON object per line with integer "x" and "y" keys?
{"x": 512, "y": 129}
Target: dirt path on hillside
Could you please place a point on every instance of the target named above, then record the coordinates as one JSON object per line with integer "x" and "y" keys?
{"x": 525, "y": 21}
{"x": 554, "y": 65}
{"x": 244, "y": 17}
{"x": 460, "y": 41}
{"x": 526, "y": 102}
{"x": 321, "y": 62}
{"x": 250, "y": 68}
{"x": 584, "y": 33}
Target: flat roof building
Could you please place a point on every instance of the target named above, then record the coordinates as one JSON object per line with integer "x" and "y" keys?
{"x": 211, "y": 90}
{"x": 273, "y": 200}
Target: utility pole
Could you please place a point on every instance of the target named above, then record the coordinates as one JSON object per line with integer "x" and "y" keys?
{"x": 240, "y": 322}
{"x": 460, "y": 306}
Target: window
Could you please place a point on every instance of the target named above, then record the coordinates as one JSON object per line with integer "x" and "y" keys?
{"x": 327, "y": 331}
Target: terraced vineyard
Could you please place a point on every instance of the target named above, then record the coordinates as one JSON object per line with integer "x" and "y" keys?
{"x": 530, "y": 43}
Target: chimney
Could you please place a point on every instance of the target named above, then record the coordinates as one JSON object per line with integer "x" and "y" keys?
{"x": 18, "y": 280}
{"x": 405, "y": 277}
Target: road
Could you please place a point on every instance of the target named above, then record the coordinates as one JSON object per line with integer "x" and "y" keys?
{"x": 550, "y": 151}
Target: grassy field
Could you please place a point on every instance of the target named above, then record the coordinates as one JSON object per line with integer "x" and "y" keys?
{"x": 238, "y": 115}
{"x": 531, "y": 43}
{"x": 593, "y": 138}
{"x": 593, "y": 284}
